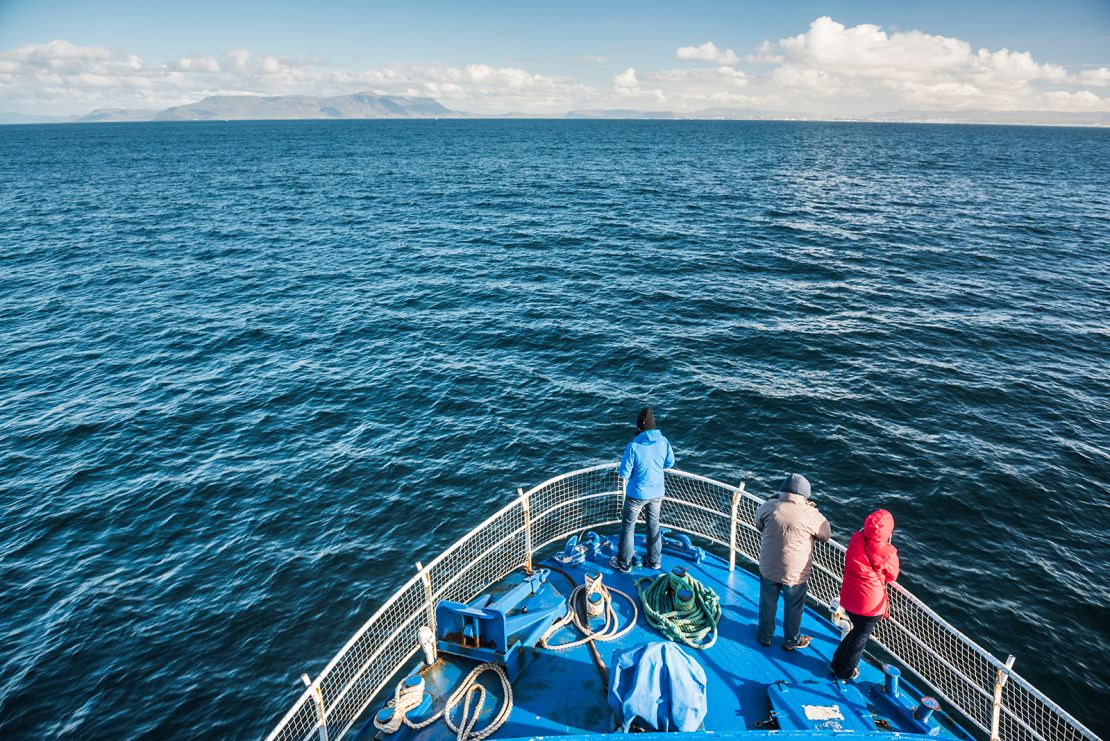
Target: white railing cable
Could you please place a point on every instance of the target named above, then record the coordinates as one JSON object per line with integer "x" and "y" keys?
{"x": 982, "y": 689}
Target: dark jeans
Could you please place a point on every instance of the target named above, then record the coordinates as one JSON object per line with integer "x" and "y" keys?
{"x": 793, "y": 602}
{"x": 629, "y": 513}
{"x": 850, "y": 650}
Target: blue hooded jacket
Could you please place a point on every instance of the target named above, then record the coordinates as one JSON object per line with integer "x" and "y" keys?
{"x": 643, "y": 463}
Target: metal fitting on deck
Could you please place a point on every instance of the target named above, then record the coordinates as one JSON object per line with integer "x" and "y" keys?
{"x": 891, "y": 680}
{"x": 684, "y": 600}
{"x": 925, "y": 710}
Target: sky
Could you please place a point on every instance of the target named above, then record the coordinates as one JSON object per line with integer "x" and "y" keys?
{"x": 59, "y": 57}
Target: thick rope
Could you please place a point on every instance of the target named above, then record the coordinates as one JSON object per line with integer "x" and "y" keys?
{"x": 692, "y": 621}
{"x": 610, "y": 631}
{"x": 408, "y": 695}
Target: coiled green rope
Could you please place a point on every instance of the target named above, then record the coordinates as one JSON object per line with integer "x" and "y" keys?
{"x": 681, "y": 608}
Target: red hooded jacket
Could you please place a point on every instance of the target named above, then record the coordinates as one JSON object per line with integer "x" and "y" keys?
{"x": 871, "y": 562}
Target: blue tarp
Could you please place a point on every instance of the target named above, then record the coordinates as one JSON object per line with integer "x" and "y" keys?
{"x": 658, "y": 686}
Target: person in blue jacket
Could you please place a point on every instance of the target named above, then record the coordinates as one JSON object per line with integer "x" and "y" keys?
{"x": 642, "y": 469}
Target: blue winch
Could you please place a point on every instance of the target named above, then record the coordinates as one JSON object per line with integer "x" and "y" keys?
{"x": 504, "y": 630}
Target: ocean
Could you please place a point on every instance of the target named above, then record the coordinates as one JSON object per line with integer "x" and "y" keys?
{"x": 253, "y": 371}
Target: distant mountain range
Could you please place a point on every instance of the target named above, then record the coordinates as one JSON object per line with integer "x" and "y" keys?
{"x": 371, "y": 106}
{"x": 260, "y": 108}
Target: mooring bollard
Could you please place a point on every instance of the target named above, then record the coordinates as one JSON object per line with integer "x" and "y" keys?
{"x": 925, "y": 710}
{"x": 891, "y": 679}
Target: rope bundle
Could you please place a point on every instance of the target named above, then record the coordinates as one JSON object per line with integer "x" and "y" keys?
{"x": 681, "y": 608}
{"x": 598, "y": 600}
{"x": 409, "y": 693}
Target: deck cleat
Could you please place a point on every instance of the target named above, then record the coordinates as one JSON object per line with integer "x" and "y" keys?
{"x": 680, "y": 545}
{"x": 575, "y": 552}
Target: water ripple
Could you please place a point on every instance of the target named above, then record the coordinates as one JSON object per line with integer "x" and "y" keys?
{"x": 253, "y": 371}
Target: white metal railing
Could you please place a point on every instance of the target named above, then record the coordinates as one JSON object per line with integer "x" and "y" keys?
{"x": 977, "y": 685}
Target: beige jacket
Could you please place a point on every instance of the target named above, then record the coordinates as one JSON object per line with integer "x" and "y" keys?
{"x": 789, "y": 524}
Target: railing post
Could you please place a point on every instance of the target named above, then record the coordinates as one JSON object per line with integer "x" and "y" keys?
{"x": 427, "y": 579}
{"x": 732, "y": 527}
{"x": 527, "y": 531}
{"x": 318, "y": 699}
{"x": 996, "y": 708}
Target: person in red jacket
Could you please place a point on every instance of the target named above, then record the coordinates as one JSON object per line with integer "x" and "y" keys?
{"x": 870, "y": 563}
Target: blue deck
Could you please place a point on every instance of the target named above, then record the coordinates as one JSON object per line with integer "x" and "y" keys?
{"x": 563, "y": 694}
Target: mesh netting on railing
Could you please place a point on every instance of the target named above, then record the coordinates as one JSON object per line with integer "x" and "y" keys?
{"x": 940, "y": 656}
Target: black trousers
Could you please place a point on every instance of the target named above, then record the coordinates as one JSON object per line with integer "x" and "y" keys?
{"x": 850, "y": 650}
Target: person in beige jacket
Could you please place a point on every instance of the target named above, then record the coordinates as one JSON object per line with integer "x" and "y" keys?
{"x": 789, "y": 523}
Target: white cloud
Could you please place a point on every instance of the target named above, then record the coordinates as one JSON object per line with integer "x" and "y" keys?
{"x": 1097, "y": 77}
{"x": 239, "y": 58}
{"x": 626, "y": 79}
{"x": 693, "y": 89}
{"x": 690, "y": 89}
{"x": 473, "y": 87}
{"x": 833, "y": 69}
{"x": 61, "y": 77}
{"x": 865, "y": 68}
{"x": 707, "y": 52}
{"x": 196, "y": 63}
{"x": 830, "y": 69}
{"x": 627, "y": 87}
{"x": 764, "y": 55}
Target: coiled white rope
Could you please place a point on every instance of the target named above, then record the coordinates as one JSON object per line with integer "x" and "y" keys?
{"x": 611, "y": 629}
{"x": 409, "y": 693}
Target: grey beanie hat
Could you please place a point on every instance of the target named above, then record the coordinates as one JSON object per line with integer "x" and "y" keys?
{"x": 796, "y": 483}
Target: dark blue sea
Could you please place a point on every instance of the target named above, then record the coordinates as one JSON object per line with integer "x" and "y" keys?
{"x": 252, "y": 372}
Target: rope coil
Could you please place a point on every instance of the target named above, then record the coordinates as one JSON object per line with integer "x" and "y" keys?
{"x": 409, "y": 694}
{"x": 681, "y": 608}
{"x": 598, "y": 600}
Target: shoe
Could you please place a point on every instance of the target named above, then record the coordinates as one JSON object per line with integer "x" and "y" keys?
{"x": 764, "y": 643}
{"x": 654, "y": 567}
{"x": 803, "y": 641}
{"x": 616, "y": 565}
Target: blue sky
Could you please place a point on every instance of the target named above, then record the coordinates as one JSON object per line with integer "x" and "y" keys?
{"x": 67, "y": 57}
